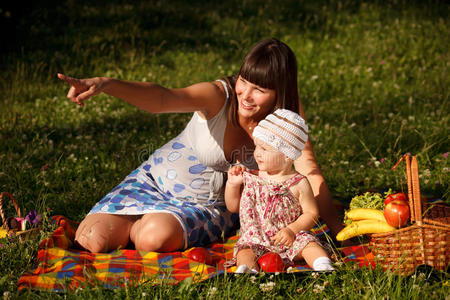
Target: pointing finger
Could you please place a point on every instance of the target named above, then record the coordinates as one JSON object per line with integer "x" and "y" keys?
{"x": 70, "y": 80}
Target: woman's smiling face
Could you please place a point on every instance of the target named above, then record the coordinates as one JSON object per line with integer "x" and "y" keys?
{"x": 254, "y": 101}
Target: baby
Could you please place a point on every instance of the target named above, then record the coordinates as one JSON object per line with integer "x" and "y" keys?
{"x": 276, "y": 203}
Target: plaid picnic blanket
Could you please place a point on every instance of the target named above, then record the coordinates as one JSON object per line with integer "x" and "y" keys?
{"x": 61, "y": 268}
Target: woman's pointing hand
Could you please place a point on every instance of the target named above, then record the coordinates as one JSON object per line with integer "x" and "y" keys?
{"x": 83, "y": 89}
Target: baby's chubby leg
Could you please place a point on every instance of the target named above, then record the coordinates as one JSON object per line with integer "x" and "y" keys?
{"x": 316, "y": 257}
{"x": 104, "y": 232}
{"x": 246, "y": 261}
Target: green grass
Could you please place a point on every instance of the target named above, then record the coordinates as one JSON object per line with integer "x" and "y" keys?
{"x": 373, "y": 78}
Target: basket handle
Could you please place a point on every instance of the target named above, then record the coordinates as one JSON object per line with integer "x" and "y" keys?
{"x": 409, "y": 184}
{"x": 416, "y": 190}
{"x": 17, "y": 208}
{"x": 412, "y": 179}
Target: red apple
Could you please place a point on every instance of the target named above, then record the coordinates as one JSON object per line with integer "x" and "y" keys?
{"x": 396, "y": 196}
{"x": 271, "y": 262}
{"x": 396, "y": 213}
{"x": 200, "y": 255}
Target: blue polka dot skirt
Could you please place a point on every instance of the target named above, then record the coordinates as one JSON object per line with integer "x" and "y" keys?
{"x": 173, "y": 181}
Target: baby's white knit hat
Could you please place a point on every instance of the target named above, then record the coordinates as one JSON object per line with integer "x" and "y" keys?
{"x": 284, "y": 130}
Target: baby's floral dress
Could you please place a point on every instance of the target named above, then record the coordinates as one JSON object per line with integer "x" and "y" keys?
{"x": 266, "y": 207}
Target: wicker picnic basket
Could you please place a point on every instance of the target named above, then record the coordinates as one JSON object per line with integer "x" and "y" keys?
{"x": 6, "y": 222}
{"x": 425, "y": 242}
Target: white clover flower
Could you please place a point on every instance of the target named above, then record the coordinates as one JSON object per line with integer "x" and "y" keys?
{"x": 212, "y": 291}
{"x": 319, "y": 287}
{"x": 252, "y": 279}
{"x": 267, "y": 287}
{"x": 315, "y": 275}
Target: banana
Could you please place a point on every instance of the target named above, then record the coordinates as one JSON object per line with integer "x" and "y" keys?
{"x": 363, "y": 227}
{"x": 366, "y": 214}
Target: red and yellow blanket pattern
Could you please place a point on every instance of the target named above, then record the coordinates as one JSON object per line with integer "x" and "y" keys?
{"x": 60, "y": 268}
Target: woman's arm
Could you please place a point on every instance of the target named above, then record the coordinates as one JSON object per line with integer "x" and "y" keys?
{"x": 307, "y": 165}
{"x": 205, "y": 97}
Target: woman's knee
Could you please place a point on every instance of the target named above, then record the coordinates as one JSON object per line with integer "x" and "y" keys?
{"x": 103, "y": 233}
{"x": 157, "y": 232}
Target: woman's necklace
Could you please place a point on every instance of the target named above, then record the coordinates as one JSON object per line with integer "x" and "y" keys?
{"x": 252, "y": 126}
{"x": 249, "y": 124}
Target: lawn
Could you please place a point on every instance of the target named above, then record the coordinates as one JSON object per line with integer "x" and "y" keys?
{"x": 373, "y": 77}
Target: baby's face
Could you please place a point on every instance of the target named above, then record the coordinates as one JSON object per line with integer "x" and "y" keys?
{"x": 268, "y": 158}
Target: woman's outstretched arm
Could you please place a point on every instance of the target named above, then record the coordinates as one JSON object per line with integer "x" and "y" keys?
{"x": 307, "y": 165}
{"x": 205, "y": 97}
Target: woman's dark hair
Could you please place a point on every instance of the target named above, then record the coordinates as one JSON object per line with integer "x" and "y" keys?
{"x": 270, "y": 64}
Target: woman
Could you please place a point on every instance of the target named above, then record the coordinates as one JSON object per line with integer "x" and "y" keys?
{"x": 174, "y": 200}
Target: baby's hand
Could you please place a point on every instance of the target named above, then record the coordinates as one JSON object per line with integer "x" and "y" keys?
{"x": 235, "y": 175}
{"x": 284, "y": 237}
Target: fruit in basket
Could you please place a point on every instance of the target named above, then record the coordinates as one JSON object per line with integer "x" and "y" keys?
{"x": 365, "y": 214}
{"x": 396, "y": 196}
{"x": 363, "y": 227}
{"x": 271, "y": 262}
{"x": 397, "y": 213}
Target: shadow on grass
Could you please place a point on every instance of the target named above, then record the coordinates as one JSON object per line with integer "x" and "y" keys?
{"x": 41, "y": 28}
